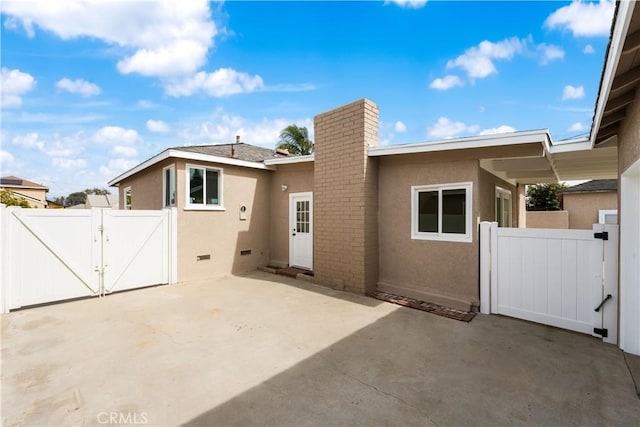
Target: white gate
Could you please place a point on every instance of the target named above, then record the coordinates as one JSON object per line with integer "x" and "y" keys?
{"x": 562, "y": 278}
{"x": 55, "y": 255}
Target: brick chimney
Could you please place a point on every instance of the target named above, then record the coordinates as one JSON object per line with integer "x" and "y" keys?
{"x": 345, "y": 198}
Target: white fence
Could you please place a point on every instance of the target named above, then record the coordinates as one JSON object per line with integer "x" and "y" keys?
{"x": 54, "y": 255}
{"x": 555, "y": 277}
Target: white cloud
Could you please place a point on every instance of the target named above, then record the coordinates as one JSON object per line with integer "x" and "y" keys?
{"x": 222, "y": 82}
{"x": 549, "y": 52}
{"x": 79, "y": 86}
{"x": 158, "y": 126}
{"x": 116, "y": 166}
{"x": 124, "y": 150}
{"x": 477, "y": 61}
{"x": 400, "y": 127}
{"x": 446, "y": 82}
{"x": 6, "y": 158}
{"x": 66, "y": 163}
{"x": 445, "y": 128}
{"x": 160, "y": 38}
{"x": 223, "y": 128}
{"x": 29, "y": 140}
{"x": 572, "y": 92}
{"x": 498, "y": 130}
{"x": 14, "y": 84}
{"x": 116, "y": 135}
{"x": 411, "y": 4}
{"x": 583, "y": 19}
{"x": 577, "y": 127}
{"x": 588, "y": 49}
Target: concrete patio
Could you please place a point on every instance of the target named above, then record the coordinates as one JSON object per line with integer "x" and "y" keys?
{"x": 269, "y": 350}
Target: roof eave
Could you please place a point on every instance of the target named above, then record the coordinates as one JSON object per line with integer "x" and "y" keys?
{"x": 620, "y": 29}
{"x": 186, "y": 155}
{"x": 497, "y": 140}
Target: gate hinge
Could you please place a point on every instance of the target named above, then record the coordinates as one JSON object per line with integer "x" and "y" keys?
{"x": 100, "y": 228}
{"x": 604, "y": 235}
{"x": 601, "y": 331}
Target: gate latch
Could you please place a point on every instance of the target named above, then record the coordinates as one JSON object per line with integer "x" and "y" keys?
{"x": 607, "y": 298}
{"x": 603, "y": 332}
{"x": 604, "y": 235}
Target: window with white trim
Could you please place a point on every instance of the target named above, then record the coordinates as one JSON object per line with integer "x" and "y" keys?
{"x": 127, "y": 198}
{"x": 441, "y": 212}
{"x": 169, "y": 186}
{"x": 204, "y": 187}
{"x": 503, "y": 207}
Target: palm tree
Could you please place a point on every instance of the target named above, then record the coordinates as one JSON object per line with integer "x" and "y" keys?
{"x": 295, "y": 140}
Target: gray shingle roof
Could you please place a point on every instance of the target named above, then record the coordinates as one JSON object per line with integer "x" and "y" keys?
{"x": 597, "y": 185}
{"x": 241, "y": 150}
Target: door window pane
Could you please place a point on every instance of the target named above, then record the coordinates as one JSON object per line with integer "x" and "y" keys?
{"x": 170, "y": 186}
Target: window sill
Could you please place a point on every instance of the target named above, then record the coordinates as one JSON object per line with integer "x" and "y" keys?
{"x": 443, "y": 237}
{"x": 204, "y": 208}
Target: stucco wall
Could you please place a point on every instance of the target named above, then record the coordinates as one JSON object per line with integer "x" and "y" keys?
{"x": 487, "y": 197}
{"x": 629, "y": 137}
{"x": 548, "y": 219}
{"x": 583, "y": 207}
{"x": 298, "y": 178}
{"x": 146, "y": 188}
{"x": 434, "y": 271}
{"x": 221, "y": 234}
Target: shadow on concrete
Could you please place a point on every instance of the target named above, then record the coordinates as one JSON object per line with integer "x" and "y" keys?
{"x": 414, "y": 368}
{"x": 312, "y": 287}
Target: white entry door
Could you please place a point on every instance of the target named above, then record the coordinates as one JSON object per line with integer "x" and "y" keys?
{"x": 301, "y": 230}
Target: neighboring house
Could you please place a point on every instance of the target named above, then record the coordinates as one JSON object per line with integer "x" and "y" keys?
{"x": 583, "y": 205}
{"x": 402, "y": 218}
{"x": 109, "y": 201}
{"x": 591, "y": 202}
{"x": 54, "y": 205}
{"x": 35, "y": 194}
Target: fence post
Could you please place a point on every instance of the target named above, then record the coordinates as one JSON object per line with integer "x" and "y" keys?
{"x": 3, "y": 261}
{"x": 494, "y": 267}
{"x": 610, "y": 276}
{"x": 485, "y": 267}
{"x": 173, "y": 246}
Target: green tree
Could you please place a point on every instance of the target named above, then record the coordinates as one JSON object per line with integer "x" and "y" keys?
{"x": 544, "y": 197}
{"x": 295, "y": 140}
{"x": 7, "y": 198}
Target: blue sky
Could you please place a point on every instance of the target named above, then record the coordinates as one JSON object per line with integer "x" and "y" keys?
{"x": 92, "y": 89}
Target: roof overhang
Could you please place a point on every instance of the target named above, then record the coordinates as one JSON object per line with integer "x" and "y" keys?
{"x": 290, "y": 160}
{"x": 187, "y": 155}
{"x": 512, "y": 138}
{"x": 620, "y": 76}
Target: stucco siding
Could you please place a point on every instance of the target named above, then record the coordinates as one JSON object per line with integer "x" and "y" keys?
{"x": 548, "y": 219}
{"x": 298, "y": 178}
{"x": 487, "y": 197}
{"x": 146, "y": 188}
{"x": 436, "y": 271}
{"x": 629, "y": 137}
{"x": 583, "y": 207}
{"x": 222, "y": 235}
